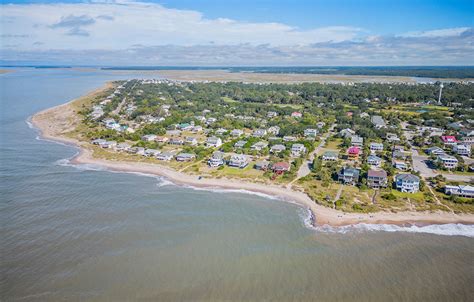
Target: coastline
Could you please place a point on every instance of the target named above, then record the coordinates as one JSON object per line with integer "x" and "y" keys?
{"x": 54, "y": 122}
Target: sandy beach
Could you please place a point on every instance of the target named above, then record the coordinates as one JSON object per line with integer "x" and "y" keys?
{"x": 55, "y": 122}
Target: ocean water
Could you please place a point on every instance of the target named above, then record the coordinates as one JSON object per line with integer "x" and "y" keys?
{"x": 72, "y": 233}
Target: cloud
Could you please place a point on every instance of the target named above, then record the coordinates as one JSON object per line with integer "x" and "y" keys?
{"x": 136, "y": 33}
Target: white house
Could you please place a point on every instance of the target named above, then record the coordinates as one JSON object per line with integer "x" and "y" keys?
{"x": 240, "y": 144}
{"x": 167, "y": 156}
{"x": 236, "y": 132}
{"x": 259, "y": 146}
{"x": 297, "y": 150}
{"x": 374, "y": 160}
{"x": 463, "y": 150}
{"x": 149, "y": 137}
{"x": 274, "y": 130}
{"x": 238, "y": 160}
{"x": 357, "y": 141}
{"x": 462, "y": 191}
{"x": 185, "y": 157}
{"x": 448, "y": 161}
{"x": 259, "y": 133}
{"x": 296, "y": 114}
{"x": 214, "y": 142}
{"x": 330, "y": 156}
{"x": 376, "y": 147}
{"x": 310, "y": 132}
{"x": 277, "y": 148}
{"x": 190, "y": 140}
{"x": 407, "y": 183}
{"x": 216, "y": 160}
{"x": 400, "y": 165}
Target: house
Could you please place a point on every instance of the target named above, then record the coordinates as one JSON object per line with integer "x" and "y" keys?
{"x": 364, "y": 115}
{"x": 353, "y": 152}
{"x": 122, "y": 147}
{"x": 289, "y": 138}
{"x": 173, "y": 132}
{"x": 221, "y": 131}
{"x": 399, "y": 154}
{"x": 271, "y": 114}
{"x": 185, "y": 127}
{"x": 161, "y": 139}
{"x": 357, "y": 141}
{"x": 176, "y": 141}
{"x": 277, "y": 148}
{"x": 98, "y": 141}
{"x": 378, "y": 122}
{"x": 236, "y": 132}
{"x": 434, "y": 151}
{"x": 149, "y": 138}
{"x": 151, "y": 152}
{"x": 348, "y": 175}
{"x": 240, "y": 144}
{"x": 274, "y": 130}
{"x": 407, "y": 183}
{"x": 346, "y": 133}
{"x": 296, "y": 114}
{"x": 137, "y": 150}
{"x": 462, "y": 150}
{"x": 190, "y": 140}
{"x": 211, "y": 120}
{"x": 461, "y": 191}
{"x": 197, "y": 129}
{"x": 108, "y": 144}
{"x": 216, "y": 160}
{"x": 280, "y": 167}
{"x": 297, "y": 150}
{"x": 167, "y": 156}
{"x": 374, "y": 160}
{"x": 320, "y": 124}
{"x": 392, "y": 138}
{"x": 330, "y": 156}
{"x": 262, "y": 165}
{"x": 185, "y": 157}
{"x": 259, "y": 146}
{"x": 449, "y": 139}
{"x": 238, "y": 160}
{"x": 376, "y": 147}
{"x": 447, "y": 161}
{"x": 214, "y": 142}
{"x": 311, "y": 132}
{"x": 259, "y": 133}
{"x": 468, "y": 141}
{"x": 400, "y": 165}
{"x": 376, "y": 178}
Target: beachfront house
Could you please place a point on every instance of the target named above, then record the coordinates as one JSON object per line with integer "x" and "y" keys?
{"x": 460, "y": 190}
{"x": 151, "y": 152}
{"x": 108, "y": 144}
{"x": 165, "y": 156}
{"x": 240, "y": 144}
{"x": 357, "y": 141}
{"x": 310, "y": 132}
{"x": 374, "y": 160}
{"x": 122, "y": 147}
{"x": 137, "y": 150}
{"x": 348, "y": 175}
{"x": 262, "y": 165}
{"x": 447, "y": 161}
{"x": 376, "y": 178}
{"x": 408, "y": 183}
{"x": 185, "y": 157}
{"x": 280, "y": 167}
{"x": 376, "y": 147}
{"x": 239, "y": 161}
{"x": 297, "y": 150}
{"x": 330, "y": 156}
{"x": 275, "y": 149}
{"x": 463, "y": 150}
{"x": 98, "y": 141}
{"x": 214, "y": 142}
{"x": 216, "y": 160}
{"x": 176, "y": 141}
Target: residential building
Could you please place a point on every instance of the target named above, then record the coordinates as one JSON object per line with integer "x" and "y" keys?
{"x": 185, "y": 157}
{"x": 378, "y": 122}
{"x": 166, "y": 156}
{"x": 122, "y": 147}
{"x": 240, "y": 144}
{"x": 236, "y": 132}
{"x": 400, "y": 165}
{"x": 346, "y": 133}
{"x": 463, "y": 150}
{"x": 173, "y": 132}
{"x": 407, "y": 183}
{"x": 259, "y": 133}
{"x": 271, "y": 114}
{"x": 392, "y": 138}
{"x": 448, "y": 161}
{"x": 296, "y": 114}
{"x": 197, "y": 129}
{"x": 262, "y": 165}
{"x": 374, "y": 161}
{"x": 280, "y": 167}
{"x": 311, "y": 132}
{"x": 259, "y": 146}
{"x": 348, "y": 175}
{"x": 274, "y": 130}
{"x": 161, "y": 139}
{"x": 277, "y": 148}
{"x": 297, "y": 150}
{"x": 376, "y": 178}
{"x": 216, "y": 160}
{"x": 289, "y": 138}
{"x": 98, "y": 141}
{"x": 108, "y": 144}
{"x": 357, "y": 141}
{"x": 353, "y": 152}
{"x": 238, "y": 160}
{"x": 176, "y": 141}
{"x": 449, "y": 140}
{"x": 330, "y": 156}
{"x": 376, "y": 147}
{"x": 214, "y": 142}
{"x": 461, "y": 191}
{"x": 434, "y": 151}
{"x": 151, "y": 152}
{"x": 148, "y": 138}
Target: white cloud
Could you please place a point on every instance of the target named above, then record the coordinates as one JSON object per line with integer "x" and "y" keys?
{"x": 446, "y": 32}
{"x": 83, "y": 26}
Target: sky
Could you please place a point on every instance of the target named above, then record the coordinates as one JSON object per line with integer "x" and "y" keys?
{"x": 237, "y": 33}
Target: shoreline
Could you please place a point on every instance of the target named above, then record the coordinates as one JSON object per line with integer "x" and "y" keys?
{"x": 63, "y": 116}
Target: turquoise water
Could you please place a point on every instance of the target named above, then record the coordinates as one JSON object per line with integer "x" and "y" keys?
{"x": 81, "y": 233}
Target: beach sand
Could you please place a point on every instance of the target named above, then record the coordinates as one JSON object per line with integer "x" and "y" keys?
{"x": 55, "y": 122}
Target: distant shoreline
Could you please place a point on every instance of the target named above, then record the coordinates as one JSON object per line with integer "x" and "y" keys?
{"x": 54, "y": 122}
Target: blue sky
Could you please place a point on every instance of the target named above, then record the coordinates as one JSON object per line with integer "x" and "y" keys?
{"x": 206, "y": 32}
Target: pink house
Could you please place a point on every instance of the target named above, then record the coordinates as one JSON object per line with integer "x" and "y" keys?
{"x": 296, "y": 114}
{"x": 449, "y": 139}
{"x": 353, "y": 152}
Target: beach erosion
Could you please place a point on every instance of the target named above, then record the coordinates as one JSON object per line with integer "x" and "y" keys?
{"x": 54, "y": 122}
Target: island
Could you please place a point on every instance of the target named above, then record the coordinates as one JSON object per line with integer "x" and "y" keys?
{"x": 364, "y": 152}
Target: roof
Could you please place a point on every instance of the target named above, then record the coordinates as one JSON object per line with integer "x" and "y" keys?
{"x": 353, "y": 149}
{"x": 330, "y": 153}
{"x": 407, "y": 178}
{"x": 377, "y": 173}
{"x": 281, "y": 165}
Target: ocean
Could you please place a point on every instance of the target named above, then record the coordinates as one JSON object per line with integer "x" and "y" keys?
{"x": 74, "y": 233}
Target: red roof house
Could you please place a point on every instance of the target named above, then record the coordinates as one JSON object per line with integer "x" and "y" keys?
{"x": 280, "y": 167}
{"x": 353, "y": 152}
{"x": 449, "y": 139}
